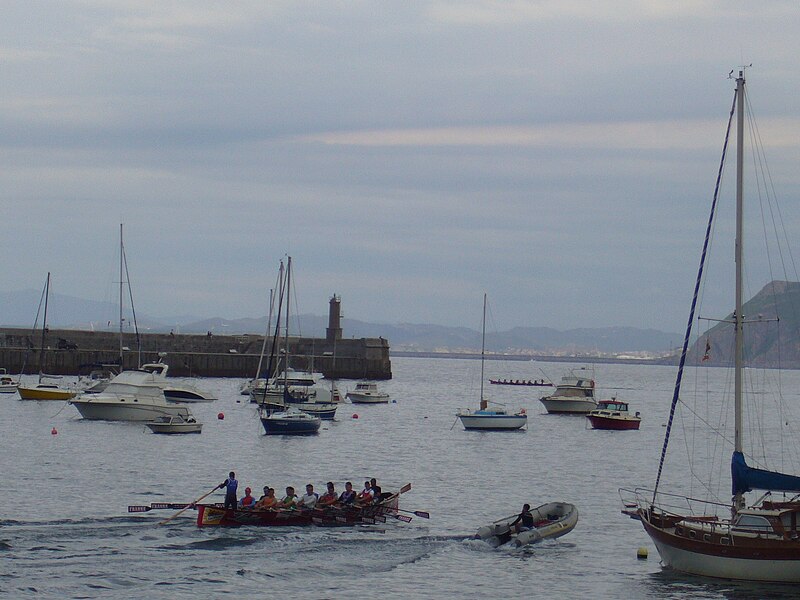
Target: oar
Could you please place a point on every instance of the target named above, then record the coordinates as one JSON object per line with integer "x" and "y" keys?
{"x": 419, "y": 513}
{"x": 403, "y": 518}
{"x": 157, "y": 506}
{"x": 165, "y": 521}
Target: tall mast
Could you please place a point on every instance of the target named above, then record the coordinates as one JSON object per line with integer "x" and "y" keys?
{"x": 288, "y": 298}
{"x": 121, "y": 287}
{"x": 266, "y": 335}
{"x": 44, "y": 327}
{"x": 738, "y": 318}
{"x": 483, "y": 404}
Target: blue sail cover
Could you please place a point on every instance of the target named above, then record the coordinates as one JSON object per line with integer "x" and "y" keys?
{"x": 745, "y": 478}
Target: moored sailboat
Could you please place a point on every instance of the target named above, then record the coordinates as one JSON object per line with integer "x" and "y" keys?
{"x": 485, "y": 418}
{"x": 299, "y": 390}
{"x": 43, "y": 390}
{"x": 755, "y": 541}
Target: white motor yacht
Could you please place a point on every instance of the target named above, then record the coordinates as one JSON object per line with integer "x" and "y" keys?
{"x": 130, "y": 396}
{"x": 574, "y": 394}
{"x": 174, "y": 390}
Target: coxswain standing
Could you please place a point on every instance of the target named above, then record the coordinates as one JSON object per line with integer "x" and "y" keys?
{"x": 230, "y": 485}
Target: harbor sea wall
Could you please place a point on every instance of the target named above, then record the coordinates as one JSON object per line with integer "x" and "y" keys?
{"x": 72, "y": 352}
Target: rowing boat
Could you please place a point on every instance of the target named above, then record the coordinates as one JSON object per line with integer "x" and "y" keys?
{"x": 216, "y": 515}
{"x": 527, "y": 382}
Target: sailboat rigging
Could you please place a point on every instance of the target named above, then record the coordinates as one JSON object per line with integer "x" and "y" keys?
{"x": 287, "y": 388}
{"x": 756, "y": 542}
{"x": 42, "y": 390}
{"x": 486, "y": 419}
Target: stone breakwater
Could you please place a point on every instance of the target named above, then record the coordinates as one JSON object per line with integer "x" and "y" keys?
{"x": 73, "y": 352}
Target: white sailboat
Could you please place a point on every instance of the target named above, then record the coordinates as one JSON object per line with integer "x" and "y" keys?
{"x": 486, "y": 419}
{"x": 756, "y": 539}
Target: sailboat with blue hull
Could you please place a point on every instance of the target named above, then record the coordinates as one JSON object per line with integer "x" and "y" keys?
{"x": 754, "y": 541}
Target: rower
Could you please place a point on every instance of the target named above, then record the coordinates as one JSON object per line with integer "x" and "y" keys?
{"x": 365, "y": 495}
{"x": 290, "y": 500}
{"x": 247, "y": 500}
{"x": 309, "y": 499}
{"x": 329, "y": 497}
{"x": 348, "y": 496}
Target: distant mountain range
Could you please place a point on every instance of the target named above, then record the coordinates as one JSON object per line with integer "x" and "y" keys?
{"x": 764, "y": 346}
{"x": 68, "y": 312}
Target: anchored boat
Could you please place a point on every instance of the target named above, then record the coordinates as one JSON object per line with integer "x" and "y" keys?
{"x": 573, "y": 395}
{"x": 486, "y": 419}
{"x": 756, "y": 540}
{"x": 289, "y": 422}
{"x": 175, "y": 424}
{"x": 613, "y": 414}
{"x": 367, "y": 392}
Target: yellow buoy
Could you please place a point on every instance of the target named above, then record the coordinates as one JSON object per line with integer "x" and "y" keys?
{"x": 641, "y": 552}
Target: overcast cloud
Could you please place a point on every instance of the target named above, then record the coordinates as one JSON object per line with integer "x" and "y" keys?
{"x": 408, "y": 155}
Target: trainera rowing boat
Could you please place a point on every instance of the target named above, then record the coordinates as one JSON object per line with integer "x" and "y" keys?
{"x": 215, "y": 515}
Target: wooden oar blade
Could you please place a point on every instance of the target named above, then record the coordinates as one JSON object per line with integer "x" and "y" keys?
{"x": 405, "y": 488}
{"x": 138, "y": 509}
{"x": 403, "y": 518}
{"x": 422, "y": 513}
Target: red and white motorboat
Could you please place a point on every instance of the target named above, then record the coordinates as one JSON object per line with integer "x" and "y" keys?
{"x": 613, "y": 414}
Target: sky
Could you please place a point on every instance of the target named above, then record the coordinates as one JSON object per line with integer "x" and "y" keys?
{"x": 559, "y": 156}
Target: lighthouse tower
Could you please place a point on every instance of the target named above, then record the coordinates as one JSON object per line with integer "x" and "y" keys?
{"x": 334, "y": 331}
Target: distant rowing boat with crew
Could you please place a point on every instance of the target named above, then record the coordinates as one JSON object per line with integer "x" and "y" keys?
{"x": 527, "y": 382}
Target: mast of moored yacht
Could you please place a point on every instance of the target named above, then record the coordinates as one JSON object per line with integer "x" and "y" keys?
{"x": 738, "y": 318}
{"x": 121, "y": 362}
{"x": 286, "y": 340}
{"x": 484, "y": 404}
{"x": 266, "y": 335}
{"x": 44, "y": 328}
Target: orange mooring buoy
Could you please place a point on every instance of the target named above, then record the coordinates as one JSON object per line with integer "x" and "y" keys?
{"x": 220, "y": 416}
{"x": 54, "y": 431}
{"x": 355, "y": 416}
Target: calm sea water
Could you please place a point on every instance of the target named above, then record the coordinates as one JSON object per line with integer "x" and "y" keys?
{"x": 65, "y": 531}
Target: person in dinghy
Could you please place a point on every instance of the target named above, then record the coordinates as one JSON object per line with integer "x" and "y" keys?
{"x": 524, "y": 520}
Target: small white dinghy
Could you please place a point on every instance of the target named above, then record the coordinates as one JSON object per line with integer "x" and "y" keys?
{"x": 175, "y": 424}
{"x": 550, "y": 521}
